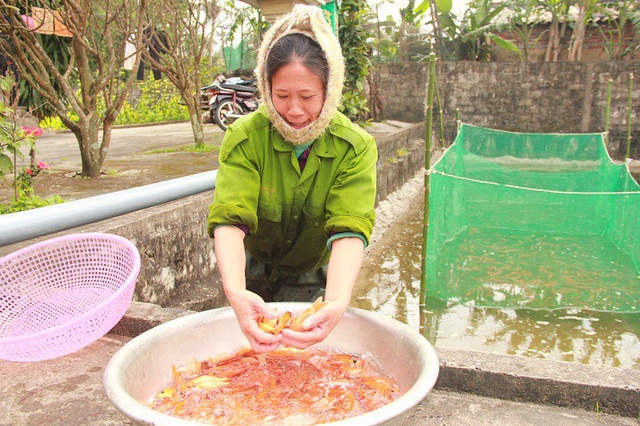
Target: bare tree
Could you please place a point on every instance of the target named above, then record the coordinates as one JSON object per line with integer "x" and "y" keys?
{"x": 93, "y": 86}
{"x": 177, "y": 39}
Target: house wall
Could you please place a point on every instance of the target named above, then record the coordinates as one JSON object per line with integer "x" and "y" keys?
{"x": 546, "y": 97}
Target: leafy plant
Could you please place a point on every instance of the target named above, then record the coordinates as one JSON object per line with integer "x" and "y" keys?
{"x": 152, "y": 101}
{"x": 442, "y": 22}
{"x": 619, "y": 15}
{"x": 28, "y": 203}
{"x": 158, "y": 101}
{"x": 13, "y": 139}
{"x": 12, "y": 136}
{"x": 475, "y": 25}
{"x": 356, "y": 51}
{"x": 523, "y": 19}
{"x": 506, "y": 45}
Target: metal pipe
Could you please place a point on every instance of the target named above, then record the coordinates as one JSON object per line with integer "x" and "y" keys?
{"x": 35, "y": 223}
{"x": 427, "y": 166}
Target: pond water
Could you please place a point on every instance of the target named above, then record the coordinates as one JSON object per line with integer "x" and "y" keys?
{"x": 391, "y": 285}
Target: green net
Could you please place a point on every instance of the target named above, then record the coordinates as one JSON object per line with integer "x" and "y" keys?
{"x": 241, "y": 57}
{"x": 524, "y": 220}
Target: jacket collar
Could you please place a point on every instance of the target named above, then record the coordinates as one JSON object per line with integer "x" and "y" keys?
{"x": 322, "y": 147}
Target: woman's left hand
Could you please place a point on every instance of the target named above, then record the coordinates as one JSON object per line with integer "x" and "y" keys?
{"x": 344, "y": 265}
{"x": 317, "y": 327}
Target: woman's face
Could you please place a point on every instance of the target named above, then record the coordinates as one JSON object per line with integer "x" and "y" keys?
{"x": 297, "y": 94}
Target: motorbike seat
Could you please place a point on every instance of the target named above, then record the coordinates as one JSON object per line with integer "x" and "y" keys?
{"x": 239, "y": 87}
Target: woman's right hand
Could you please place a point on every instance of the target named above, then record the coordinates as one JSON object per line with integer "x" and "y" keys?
{"x": 249, "y": 307}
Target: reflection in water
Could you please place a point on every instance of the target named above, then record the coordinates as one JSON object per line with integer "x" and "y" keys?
{"x": 392, "y": 286}
{"x": 502, "y": 269}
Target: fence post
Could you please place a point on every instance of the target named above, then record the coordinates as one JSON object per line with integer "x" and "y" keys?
{"x": 607, "y": 111}
{"x": 427, "y": 165}
{"x": 629, "y": 105}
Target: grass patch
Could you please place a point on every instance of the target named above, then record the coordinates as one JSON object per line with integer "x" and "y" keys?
{"x": 186, "y": 148}
{"x": 24, "y": 203}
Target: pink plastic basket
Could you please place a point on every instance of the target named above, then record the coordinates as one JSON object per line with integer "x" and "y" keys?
{"x": 62, "y": 294}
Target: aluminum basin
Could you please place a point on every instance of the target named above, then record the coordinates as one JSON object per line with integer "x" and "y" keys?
{"x": 143, "y": 365}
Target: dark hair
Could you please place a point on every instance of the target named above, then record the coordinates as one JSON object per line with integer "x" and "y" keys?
{"x": 298, "y": 47}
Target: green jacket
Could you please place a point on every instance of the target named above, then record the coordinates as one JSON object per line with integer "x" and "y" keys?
{"x": 289, "y": 214}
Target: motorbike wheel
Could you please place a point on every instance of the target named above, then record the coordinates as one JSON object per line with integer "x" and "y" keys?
{"x": 225, "y": 108}
{"x": 212, "y": 114}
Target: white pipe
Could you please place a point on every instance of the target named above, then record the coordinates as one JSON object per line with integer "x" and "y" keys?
{"x": 21, "y": 226}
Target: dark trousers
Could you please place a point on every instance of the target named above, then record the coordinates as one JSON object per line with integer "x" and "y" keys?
{"x": 295, "y": 288}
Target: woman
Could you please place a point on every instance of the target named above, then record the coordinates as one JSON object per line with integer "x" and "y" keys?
{"x": 295, "y": 188}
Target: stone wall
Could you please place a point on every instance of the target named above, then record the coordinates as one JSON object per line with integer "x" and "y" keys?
{"x": 400, "y": 156}
{"x": 563, "y": 97}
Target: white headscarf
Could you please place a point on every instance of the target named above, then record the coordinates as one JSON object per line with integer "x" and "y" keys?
{"x": 310, "y": 21}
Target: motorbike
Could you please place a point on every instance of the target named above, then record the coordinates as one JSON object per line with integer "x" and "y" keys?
{"x": 229, "y": 99}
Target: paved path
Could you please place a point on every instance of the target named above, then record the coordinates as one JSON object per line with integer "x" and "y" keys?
{"x": 130, "y": 161}
{"x": 61, "y": 148}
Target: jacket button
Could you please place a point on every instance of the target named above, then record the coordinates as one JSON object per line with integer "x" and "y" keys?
{"x": 295, "y": 217}
{"x": 288, "y": 241}
{"x": 317, "y": 224}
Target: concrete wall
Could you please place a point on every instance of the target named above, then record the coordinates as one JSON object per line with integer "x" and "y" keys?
{"x": 178, "y": 263}
{"x": 565, "y": 97}
{"x": 400, "y": 156}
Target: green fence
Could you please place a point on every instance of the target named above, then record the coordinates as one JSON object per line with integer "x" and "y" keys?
{"x": 533, "y": 221}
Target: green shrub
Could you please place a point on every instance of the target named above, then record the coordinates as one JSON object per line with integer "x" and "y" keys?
{"x": 152, "y": 101}
{"x": 28, "y": 202}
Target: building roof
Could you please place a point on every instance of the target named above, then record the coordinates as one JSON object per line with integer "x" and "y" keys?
{"x": 272, "y": 9}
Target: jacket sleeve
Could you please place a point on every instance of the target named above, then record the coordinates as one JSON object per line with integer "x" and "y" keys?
{"x": 351, "y": 200}
{"x": 235, "y": 199}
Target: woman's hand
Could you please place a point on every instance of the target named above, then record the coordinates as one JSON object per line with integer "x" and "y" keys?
{"x": 317, "y": 327}
{"x": 249, "y": 307}
{"x": 344, "y": 266}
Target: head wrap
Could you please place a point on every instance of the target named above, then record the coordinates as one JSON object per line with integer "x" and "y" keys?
{"x": 310, "y": 21}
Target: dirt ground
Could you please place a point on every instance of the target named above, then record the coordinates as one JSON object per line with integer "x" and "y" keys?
{"x": 132, "y": 160}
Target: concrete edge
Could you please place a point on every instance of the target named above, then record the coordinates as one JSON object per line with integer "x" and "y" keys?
{"x": 603, "y": 389}
{"x": 516, "y": 378}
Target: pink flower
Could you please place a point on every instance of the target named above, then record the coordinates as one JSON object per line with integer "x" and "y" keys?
{"x": 28, "y": 21}
{"x": 34, "y": 131}
{"x": 43, "y": 166}
{"x": 29, "y": 172}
